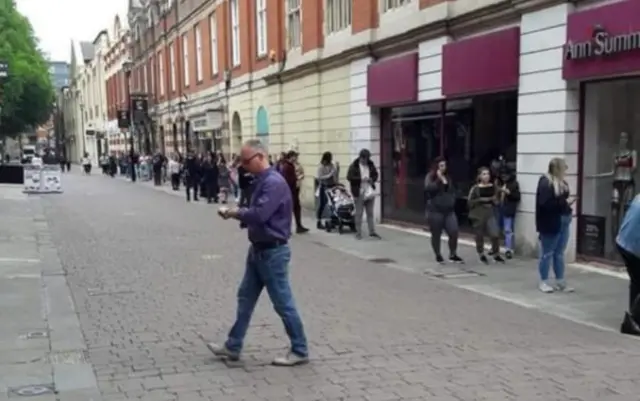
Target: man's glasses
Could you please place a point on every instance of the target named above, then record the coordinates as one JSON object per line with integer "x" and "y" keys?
{"x": 247, "y": 160}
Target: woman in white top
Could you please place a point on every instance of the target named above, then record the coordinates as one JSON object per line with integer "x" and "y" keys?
{"x": 174, "y": 168}
{"x": 86, "y": 164}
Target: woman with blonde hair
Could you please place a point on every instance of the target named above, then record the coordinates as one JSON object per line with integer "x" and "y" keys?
{"x": 553, "y": 219}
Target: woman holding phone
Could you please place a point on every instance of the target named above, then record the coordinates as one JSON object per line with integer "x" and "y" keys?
{"x": 553, "y": 221}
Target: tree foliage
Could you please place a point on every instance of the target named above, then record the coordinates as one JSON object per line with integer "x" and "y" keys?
{"x": 27, "y": 95}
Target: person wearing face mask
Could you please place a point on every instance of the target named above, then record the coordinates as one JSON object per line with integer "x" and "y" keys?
{"x": 483, "y": 197}
{"x": 362, "y": 176}
{"x": 441, "y": 215}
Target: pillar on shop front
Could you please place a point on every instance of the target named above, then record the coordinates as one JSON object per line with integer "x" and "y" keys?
{"x": 548, "y": 116}
{"x": 364, "y": 122}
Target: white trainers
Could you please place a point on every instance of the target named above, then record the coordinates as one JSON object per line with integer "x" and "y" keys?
{"x": 290, "y": 359}
{"x": 545, "y": 287}
{"x": 563, "y": 287}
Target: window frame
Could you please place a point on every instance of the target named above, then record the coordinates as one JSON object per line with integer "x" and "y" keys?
{"x": 261, "y": 28}
{"x": 185, "y": 59}
{"x": 338, "y": 16}
{"x": 235, "y": 33}
{"x": 161, "y": 71}
{"x": 294, "y": 14}
{"x": 390, "y": 5}
{"x": 172, "y": 66}
{"x": 197, "y": 34}
{"x": 213, "y": 43}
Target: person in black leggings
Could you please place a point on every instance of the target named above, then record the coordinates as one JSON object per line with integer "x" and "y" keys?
{"x": 441, "y": 216}
{"x": 327, "y": 177}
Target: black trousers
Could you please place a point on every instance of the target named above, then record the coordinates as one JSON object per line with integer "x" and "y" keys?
{"x": 322, "y": 202}
{"x": 191, "y": 187}
{"x": 210, "y": 190}
{"x": 157, "y": 177}
{"x": 245, "y": 197}
{"x": 175, "y": 181}
{"x": 632, "y": 263}
{"x": 297, "y": 210}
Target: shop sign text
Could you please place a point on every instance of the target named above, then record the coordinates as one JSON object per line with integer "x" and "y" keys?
{"x": 602, "y": 44}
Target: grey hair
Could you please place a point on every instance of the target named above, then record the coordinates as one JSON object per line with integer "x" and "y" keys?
{"x": 257, "y": 145}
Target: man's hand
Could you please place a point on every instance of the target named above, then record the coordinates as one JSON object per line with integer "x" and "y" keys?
{"x": 228, "y": 213}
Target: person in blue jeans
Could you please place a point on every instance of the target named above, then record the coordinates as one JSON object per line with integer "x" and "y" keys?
{"x": 628, "y": 243}
{"x": 510, "y": 198}
{"x": 268, "y": 222}
{"x": 553, "y": 221}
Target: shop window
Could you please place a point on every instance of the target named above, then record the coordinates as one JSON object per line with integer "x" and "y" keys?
{"x": 469, "y": 133}
{"x": 609, "y": 173}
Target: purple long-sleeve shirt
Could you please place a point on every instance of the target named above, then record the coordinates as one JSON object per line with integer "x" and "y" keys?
{"x": 268, "y": 217}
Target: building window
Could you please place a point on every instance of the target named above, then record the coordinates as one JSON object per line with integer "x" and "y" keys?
{"x": 213, "y": 34}
{"x": 152, "y": 67}
{"x": 161, "y": 72}
{"x": 172, "y": 66}
{"x": 391, "y": 4}
{"x": 185, "y": 58}
{"x": 338, "y": 15}
{"x": 198, "y": 34}
{"x": 261, "y": 27}
{"x": 144, "y": 79}
{"x": 294, "y": 24}
{"x": 235, "y": 33}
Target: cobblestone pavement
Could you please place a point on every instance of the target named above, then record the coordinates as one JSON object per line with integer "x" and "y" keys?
{"x": 150, "y": 273}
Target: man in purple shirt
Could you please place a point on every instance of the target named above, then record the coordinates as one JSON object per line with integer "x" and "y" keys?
{"x": 268, "y": 222}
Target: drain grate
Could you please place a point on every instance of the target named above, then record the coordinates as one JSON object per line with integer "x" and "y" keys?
{"x": 382, "y": 261}
{"x": 96, "y": 292}
{"x": 37, "y": 334}
{"x": 33, "y": 390}
{"x": 453, "y": 274}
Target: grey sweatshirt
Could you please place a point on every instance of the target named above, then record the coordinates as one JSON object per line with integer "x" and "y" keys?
{"x": 327, "y": 175}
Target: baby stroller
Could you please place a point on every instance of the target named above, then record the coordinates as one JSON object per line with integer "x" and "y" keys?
{"x": 342, "y": 209}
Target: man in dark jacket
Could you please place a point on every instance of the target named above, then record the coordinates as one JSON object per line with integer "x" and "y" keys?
{"x": 192, "y": 176}
{"x": 287, "y": 168}
{"x": 210, "y": 179}
{"x": 156, "y": 164}
{"x": 363, "y": 176}
{"x": 245, "y": 181}
{"x": 113, "y": 165}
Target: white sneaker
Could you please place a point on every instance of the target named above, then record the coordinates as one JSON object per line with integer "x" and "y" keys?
{"x": 563, "y": 287}
{"x": 545, "y": 287}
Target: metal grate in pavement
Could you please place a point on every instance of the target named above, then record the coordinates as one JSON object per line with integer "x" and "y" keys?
{"x": 33, "y": 390}
{"x": 96, "y": 292}
{"x": 449, "y": 274}
{"x": 382, "y": 261}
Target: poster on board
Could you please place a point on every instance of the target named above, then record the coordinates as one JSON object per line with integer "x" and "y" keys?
{"x": 31, "y": 174}
{"x": 50, "y": 179}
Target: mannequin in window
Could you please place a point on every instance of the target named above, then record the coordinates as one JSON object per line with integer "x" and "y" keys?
{"x": 625, "y": 162}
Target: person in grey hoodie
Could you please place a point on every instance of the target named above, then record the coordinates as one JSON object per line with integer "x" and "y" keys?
{"x": 327, "y": 177}
{"x": 441, "y": 215}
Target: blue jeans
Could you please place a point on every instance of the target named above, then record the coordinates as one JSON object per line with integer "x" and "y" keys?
{"x": 507, "y": 226}
{"x": 268, "y": 268}
{"x": 552, "y": 247}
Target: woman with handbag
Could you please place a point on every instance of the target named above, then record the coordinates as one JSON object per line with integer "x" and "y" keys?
{"x": 362, "y": 176}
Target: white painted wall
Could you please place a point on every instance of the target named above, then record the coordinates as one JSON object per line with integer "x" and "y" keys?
{"x": 548, "y": 114}
{"x": 364, "y": 124}
{"x": 430, "y": 69}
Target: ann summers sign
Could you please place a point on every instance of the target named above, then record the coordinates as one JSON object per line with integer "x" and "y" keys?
{"x": 603, "y": 44}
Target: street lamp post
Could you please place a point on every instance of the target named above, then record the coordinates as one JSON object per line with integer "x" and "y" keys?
{"x": 128, "y": 66}
{"x": 4, "y": 73}
{"x": 84, "y": 141}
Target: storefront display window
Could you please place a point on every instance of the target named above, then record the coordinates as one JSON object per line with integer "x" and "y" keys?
{"x": 610, "y": 157}
{"x": 469, "y": 133}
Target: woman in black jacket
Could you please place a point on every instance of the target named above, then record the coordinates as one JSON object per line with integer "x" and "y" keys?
{"x": 441, "y": 215}
{"x": 553, "y": 219}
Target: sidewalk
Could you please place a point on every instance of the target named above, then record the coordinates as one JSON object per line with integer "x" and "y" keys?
{"x": 599, "y": 301}
{"x": 42, "y": 350}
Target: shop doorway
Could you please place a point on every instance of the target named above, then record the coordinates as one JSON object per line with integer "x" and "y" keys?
{"x": 609, "y": 174}
{"x": 469, "y": 133}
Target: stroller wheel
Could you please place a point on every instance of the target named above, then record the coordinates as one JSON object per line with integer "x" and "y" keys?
{"x": 340, "y": 229}
{"x": 352, "y": 227}
{"x": 328, "y": 226}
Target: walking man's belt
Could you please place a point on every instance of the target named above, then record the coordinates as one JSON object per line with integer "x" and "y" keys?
{"x": 261, "y": 246}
